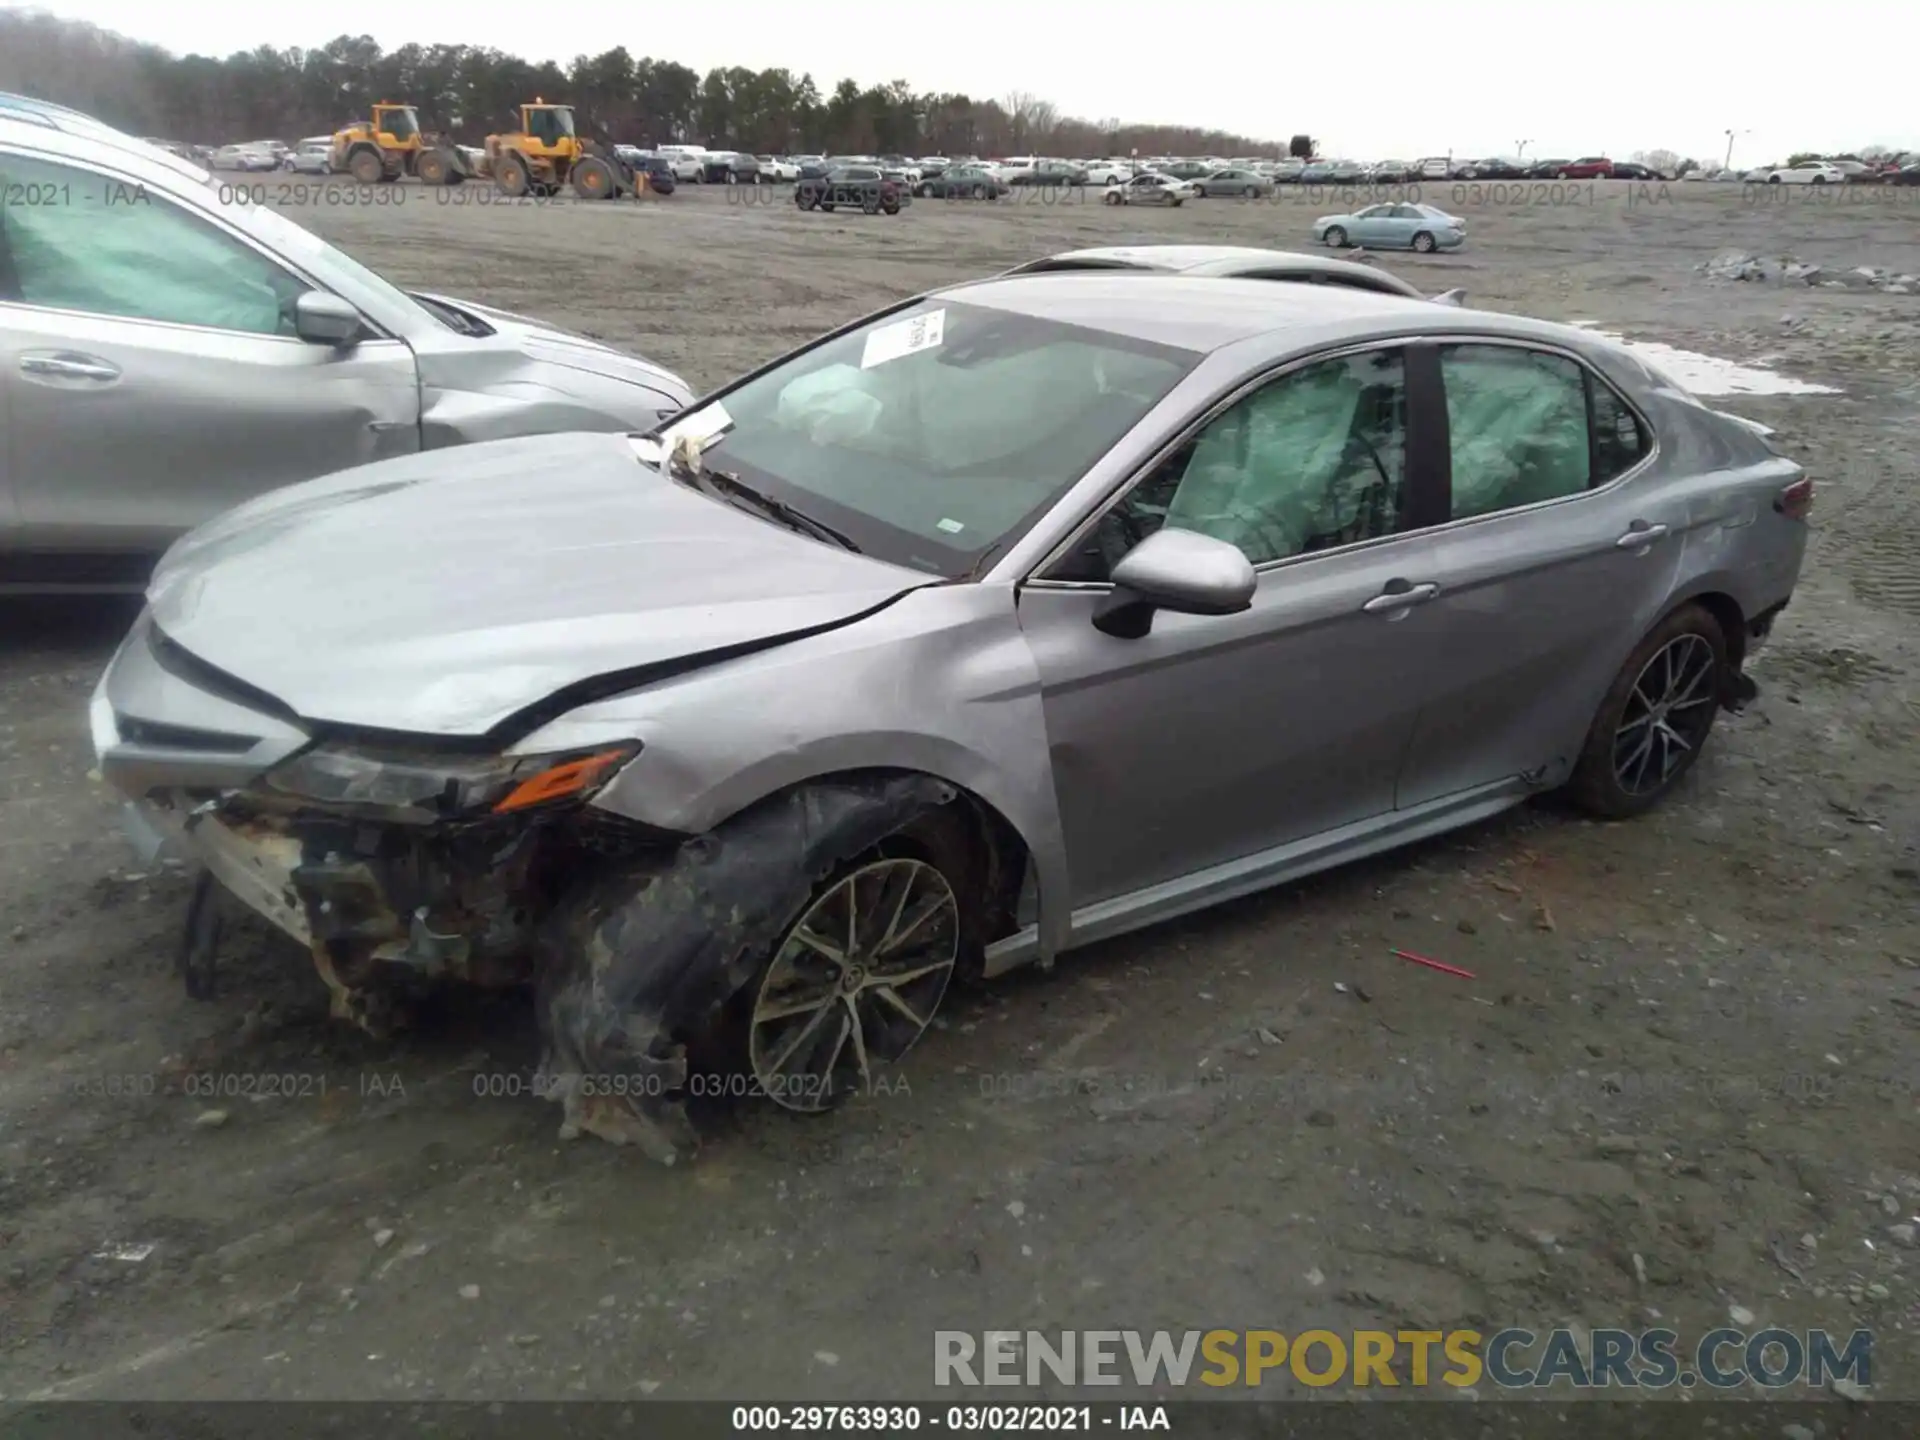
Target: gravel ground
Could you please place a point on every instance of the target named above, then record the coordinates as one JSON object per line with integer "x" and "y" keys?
{"x": 1690, "y": 1048}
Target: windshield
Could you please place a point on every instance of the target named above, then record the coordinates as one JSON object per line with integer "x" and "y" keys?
{"x": 306, "y": 249}
{"x": 937, "y": 436}
{"x": 562, "y": 120}
{"x": 401, "y": 124}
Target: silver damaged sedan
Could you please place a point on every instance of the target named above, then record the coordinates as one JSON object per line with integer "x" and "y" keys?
{"x": 1014, "y": 617}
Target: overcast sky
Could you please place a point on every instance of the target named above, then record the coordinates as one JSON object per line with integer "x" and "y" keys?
{"x": 1374, "y": 80}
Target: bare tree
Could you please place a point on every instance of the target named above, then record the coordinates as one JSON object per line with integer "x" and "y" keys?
{"x": 1030, "y": 120}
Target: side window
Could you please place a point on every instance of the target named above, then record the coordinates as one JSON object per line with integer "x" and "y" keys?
{"x": 72, "y": 239}
{"x": 1620, "y": 442}
{"x": 1518, "y": 425}
{"x": 1314, "y": 460}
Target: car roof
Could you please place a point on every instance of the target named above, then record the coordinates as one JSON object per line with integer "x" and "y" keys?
{"x": 1208, "y": 313}
{"x": 1202, "y": 313}
{"x": 1221, "y": 260}
{"x": 38, "y": 125}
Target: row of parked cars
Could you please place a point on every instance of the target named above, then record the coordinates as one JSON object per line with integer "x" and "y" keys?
{"x": 944, "y": 177}
{"x": 1901, "y": 170}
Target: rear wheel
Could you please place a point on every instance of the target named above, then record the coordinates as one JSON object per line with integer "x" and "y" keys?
{"x": 1655, "y": 718}
{"x": 1423, "y": 242}
{"x": 433, "y": 168}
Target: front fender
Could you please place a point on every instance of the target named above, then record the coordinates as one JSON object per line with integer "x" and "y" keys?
{"x": 941, "y": 682}
{"x": 510, "y": 409}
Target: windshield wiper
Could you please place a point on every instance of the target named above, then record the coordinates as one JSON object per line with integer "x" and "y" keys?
{"x": 732, "y": 488}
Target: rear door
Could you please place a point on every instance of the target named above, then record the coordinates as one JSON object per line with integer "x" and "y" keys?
{"x": 151, "y": 369}
{"x": 1560, "y": 553}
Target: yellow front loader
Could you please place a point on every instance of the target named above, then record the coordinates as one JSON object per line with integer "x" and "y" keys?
{"x": 390, "y": 145}
{"x": 546, "y": 154}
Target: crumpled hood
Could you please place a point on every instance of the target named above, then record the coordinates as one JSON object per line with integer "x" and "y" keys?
{"x": 442, "y": 593}
{"x": 564, "y": 347}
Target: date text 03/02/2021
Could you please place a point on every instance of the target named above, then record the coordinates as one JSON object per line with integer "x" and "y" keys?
{"x": 959, "y": 1419}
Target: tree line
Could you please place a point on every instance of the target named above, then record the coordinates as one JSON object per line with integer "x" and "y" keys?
{"x": 466, "y": 92}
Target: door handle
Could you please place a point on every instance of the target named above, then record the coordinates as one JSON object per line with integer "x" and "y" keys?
{"x": 1391, "y": 601}
{"x": 67, "y": 366}
{"x": 1640, "y": 536}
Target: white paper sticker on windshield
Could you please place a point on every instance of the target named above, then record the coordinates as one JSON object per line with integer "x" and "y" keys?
{"x": 708, "y": 423}
{"x": 952, "y": 527}
{"x": 907, "y": 337}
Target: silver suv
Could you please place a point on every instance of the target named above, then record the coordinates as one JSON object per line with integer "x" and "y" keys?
{"x": 168, "y": 349}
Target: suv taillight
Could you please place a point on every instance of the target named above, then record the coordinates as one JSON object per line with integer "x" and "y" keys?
{"x": 1796, "y": 500}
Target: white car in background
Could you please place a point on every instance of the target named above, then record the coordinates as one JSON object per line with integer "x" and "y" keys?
{"x": 1107, "y": 172}
{"x": 1813, "y": 172}
{"x": 313, "y": 156}
{"x": 689, "y": 162}
{"x": 245, "y": 158}
{"x": 775, "y": 171}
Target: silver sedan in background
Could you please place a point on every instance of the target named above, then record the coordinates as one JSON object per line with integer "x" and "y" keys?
{"x": 1241, "y": 184}
{"x": 1013, "y": 617}
{"x": 168, "y": 348}
{"x": 1149, "y": 188}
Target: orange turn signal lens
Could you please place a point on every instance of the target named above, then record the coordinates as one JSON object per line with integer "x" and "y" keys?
{"x": 556, "y": 783}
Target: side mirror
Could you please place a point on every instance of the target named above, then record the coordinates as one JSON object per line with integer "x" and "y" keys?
{"x": 1178, "y": 570}
{"x": 1451, "y": 297}
{"x": 323, "y": 319}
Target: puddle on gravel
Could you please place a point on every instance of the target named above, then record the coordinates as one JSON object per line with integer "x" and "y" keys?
{"x": 1708, "y": 374}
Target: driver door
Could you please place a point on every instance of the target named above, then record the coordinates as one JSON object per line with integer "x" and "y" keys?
{"x": 1370, "y": 225}
{"x": 1214, "y": 738}
{"x": 152, "y": 373}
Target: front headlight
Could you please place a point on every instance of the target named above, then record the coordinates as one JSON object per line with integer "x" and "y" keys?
{"x": 100, "y": 722}
{"x": 431, "y": 787}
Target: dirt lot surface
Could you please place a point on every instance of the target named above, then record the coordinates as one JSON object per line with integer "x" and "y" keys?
{"x": 1683, "y": 1083}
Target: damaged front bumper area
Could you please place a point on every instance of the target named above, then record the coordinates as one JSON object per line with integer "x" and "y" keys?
{"x": 401, "y": 865}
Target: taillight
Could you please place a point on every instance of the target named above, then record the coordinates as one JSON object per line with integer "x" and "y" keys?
{"x": 1796, "y": 500}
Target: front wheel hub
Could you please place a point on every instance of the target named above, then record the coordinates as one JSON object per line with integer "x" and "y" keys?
{"x": 855, "y": 982}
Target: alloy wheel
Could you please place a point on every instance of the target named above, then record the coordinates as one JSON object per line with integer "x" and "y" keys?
{"x": 856, "y": 981}
{"x": 1668, "y": 713}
